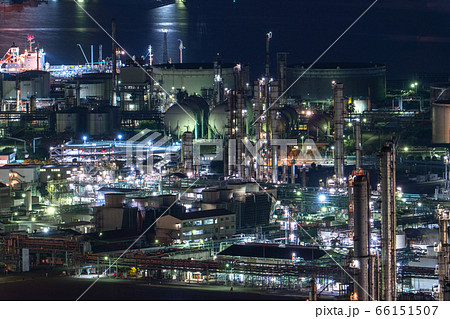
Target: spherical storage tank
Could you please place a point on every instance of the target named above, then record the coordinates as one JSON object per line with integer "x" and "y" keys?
{"x": 359, "y": 79}
{"x": 190, "y": 114}
{"x": 440, "y": 115}
{"x": 218, "y": 119}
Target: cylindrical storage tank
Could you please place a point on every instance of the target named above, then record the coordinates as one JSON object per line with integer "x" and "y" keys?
{"x": 211, "y": 195}
{"x": 98, "y": 123}
{"x": 67, "y": 122}
{"x": 360, "y": 80}
{"x": 401, "y": 241}
{"x": 440, "y": 115}
{"x": 226, "y": 195}
{"x": 237, "y": 188}
{"x": 115, "y": 200}
{"x": 360, "y": 105}
{"x": 440, "y": 92}
{"x": 29, "y": 201}
{"x": 251, "y": 187}
{"x": 169, "y": 199}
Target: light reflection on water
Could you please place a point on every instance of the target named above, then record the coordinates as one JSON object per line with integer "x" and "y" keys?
{"x": 303, "y": 28}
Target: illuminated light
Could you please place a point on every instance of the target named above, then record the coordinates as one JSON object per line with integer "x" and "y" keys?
{"x": 100, "y": 235}
{"x": 33, "y": 219}
{"x": 406, "y": 149}
{"x": 106, "y": 257}
{"x": 156, "y": 241}
{"x": 322, "y": 198}
{"x": 46, "y": 230}
{"x": 120, "y": 136}
{"x": 419, "y": 204}
{"x": 84, "y": 138}
{"x": 324, "y": 209}
{"x": 404, "y": 200}
{"x": 51, "y": 210}
{"x": 24, "y": 195}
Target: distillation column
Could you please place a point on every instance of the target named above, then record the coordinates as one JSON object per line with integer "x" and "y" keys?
{"x": 188, "y": 153}
{"x": 240, "y": 115}
{"x": 338, "y": 101}
{"x": 388, "y": 224}
{"x": 358, "y": 143}
{"x": 361, "y": 239}
{"x": 114, "y": 63}
{"x": 443, "y": 255}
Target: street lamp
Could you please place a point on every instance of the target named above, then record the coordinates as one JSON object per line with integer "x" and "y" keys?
{"x": 84, "y": 139}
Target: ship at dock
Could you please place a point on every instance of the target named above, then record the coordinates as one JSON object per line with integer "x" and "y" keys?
{"x": 33, "y": 58}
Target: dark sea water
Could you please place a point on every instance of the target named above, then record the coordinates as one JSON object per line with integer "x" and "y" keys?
{"x": 410, "y": 36}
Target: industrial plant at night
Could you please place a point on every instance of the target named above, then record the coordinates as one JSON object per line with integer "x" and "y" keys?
{"x": 239, "y": 180}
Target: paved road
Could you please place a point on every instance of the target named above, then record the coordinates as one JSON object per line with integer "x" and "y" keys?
{"x": 41, "y": 288}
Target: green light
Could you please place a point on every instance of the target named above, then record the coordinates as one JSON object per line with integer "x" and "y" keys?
{"x": 406, "y": 149}
{"x": 324, "y": 209}
{"x": 228, "y": 265}
{"x": 106, "y": 257}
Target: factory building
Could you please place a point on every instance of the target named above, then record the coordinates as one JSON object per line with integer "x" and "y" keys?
{"x": 90, "y": 88}
{"x": 196, "y": 226}
{"x": 361, "y": 80}
{"x": 134, "y": 89}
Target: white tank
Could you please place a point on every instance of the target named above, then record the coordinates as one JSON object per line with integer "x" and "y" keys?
{"x": 440, "y": 115}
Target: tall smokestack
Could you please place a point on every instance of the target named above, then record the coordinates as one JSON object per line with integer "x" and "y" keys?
{"x": 361, "y": 239}
{"x": 282, "y": 70}
{"x": 267, "y": 71}
{"x": 92, "y": 56}
{"x": 338, "y": 101}
{"x": 100, "y": 54}
{"x": 114, "y": 62}
{"x": 165, "y": 52}
{"x": 388, "y": 223}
